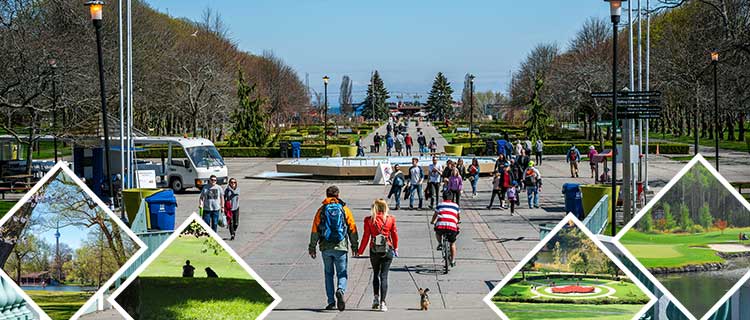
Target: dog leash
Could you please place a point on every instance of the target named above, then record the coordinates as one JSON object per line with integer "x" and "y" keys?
{"x": 414, "y": 281}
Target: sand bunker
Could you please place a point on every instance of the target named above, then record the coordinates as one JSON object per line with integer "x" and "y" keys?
{"x": 729, "y": 247}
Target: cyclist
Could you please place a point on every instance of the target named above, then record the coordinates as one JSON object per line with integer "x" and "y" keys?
{"x": 446, "y": 218}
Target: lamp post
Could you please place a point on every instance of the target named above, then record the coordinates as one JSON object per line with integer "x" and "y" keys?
{"x": 715, "y": 62}
{"x": 325, "y": 113}
{"x": 471, "y": 112}
{"x": 53, "y": 66}
{"x": 372, "y": 100}
{"x": 96, "y": 7}
{"x": 615, "y": 8}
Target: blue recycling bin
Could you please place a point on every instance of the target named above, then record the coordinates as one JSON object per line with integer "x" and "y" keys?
{"x": 162, "y": 206}
{"x": 296, "y": 149}
{"x": 573, "y": 199}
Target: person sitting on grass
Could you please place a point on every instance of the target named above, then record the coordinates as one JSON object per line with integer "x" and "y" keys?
{"x": 187, "y": 270}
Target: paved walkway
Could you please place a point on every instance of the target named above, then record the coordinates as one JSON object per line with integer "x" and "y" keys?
{"x": 429, "y": 131}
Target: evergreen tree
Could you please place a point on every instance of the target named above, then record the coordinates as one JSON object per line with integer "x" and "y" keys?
{"x": 706, "y": 219}
{"x": 685, "y": 221}
{"x": 668, "y": 217}
{"x": 377, "y": 95}
{"x": 249, "y": 119}
{"x": 439, "y": 102}
{"x": 647, "y": 223}
{"x": 536, "y": 123}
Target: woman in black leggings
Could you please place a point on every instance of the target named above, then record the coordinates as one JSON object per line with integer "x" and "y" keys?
{"x": 381, "y": 235}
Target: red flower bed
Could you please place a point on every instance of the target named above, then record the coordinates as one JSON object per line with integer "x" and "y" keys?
{"x": 572, "y": 289}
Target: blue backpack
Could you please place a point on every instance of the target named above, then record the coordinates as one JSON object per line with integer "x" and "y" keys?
{"x": 332, "y": 224}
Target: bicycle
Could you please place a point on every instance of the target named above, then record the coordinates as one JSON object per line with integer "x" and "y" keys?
{"x": 447, "y": 257}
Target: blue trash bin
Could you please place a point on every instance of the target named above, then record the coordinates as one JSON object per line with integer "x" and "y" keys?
{"x": 573, "y": 199}
{"x": 296, "y": 149}
{"x": 162, "y": 206}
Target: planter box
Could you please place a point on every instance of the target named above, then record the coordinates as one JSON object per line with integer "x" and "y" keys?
{"x": 348, "y": 151}
{"x": 454, "y": 150}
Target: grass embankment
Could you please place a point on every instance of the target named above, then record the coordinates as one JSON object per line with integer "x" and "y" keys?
{"x": 201, "y": 298}
{"x": 541, "y": 311}
{"x": 723, "y": 144}
{"x": 5, "y": 206}
{"x": 57, "y": 304}
{"x": 677, "y": 249}
{"x": 170, "y": 261}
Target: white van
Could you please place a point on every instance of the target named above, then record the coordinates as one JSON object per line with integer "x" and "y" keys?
{"x": 190, "y": 168}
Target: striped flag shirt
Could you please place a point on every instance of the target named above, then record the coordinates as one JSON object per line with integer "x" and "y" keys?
{"x": 447, "y": 218}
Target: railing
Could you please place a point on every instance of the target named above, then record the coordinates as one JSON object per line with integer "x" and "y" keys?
{"x": 12, "y": 304}
{"x": 597, "y": 218}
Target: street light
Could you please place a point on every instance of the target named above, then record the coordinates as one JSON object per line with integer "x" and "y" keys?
{"x": 53, "y": 66}
{"x": 325, "y": 113}
{"x": 471, "y": 112}
{"x": 615, "y": 8}
{"x": 715, "y": 62}
{"x": 96, "y": 7}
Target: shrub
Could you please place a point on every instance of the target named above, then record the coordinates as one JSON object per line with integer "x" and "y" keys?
{"x": 696, "y": 228}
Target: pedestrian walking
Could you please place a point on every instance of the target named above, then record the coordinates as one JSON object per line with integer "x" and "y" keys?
{"x": 573, "y": 157}
{"x": 527, "y": 147}
{"x": 211, "y": 202}
{"x": 334, "y": 232}
{"x": 399, "y": 144}
{"x": 388, "y": 144}
{"x": 408, "y": 143}
{"x": 512, "y": 195}
{"x": 433, "y": 146}
{"x": 398, "y": 181}
{"x": 523, "y": 160}
{"x": 474, "y": 176}
{"x": 532, "y": 181}
{"x": 376, "y": 141}
{"x": 500, "y": 184}
{"x": 415, "y": 182}
{"x": 389, "y": 127}
{"x": 501, "y": 161}
{"x": 435, "y": 171}
{"x": 360, "y": 147}
{"x": 232, "y": 207}
{"x": 592, "y": 162}
{"x": 455, "y": 186}
{"x": 422, "y": 141}
{"x": 381, "y": 235}
{"x": 516, "y": 171}
{"x": 539, "y": 151}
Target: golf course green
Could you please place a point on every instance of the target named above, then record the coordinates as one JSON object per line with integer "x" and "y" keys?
{"x": 678, "y": 249}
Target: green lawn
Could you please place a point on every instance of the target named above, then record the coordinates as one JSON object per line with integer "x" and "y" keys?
{"x": 170, "y": 261}
{"x": 541, "y": 311}
{"x": 623, "y": 289}
{"x": 731, "y": 145}
{"x": 59, "y": 305}
{"x": 201, "y": 298}
{"x": 5, "y": 206}
{"x": 674, "y": 250}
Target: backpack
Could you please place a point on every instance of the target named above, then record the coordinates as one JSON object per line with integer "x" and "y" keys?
{"x": 332, "y": 225}
{"x": 572, "y": 155}
{"x": 530, "y": 178}
{"x": 380, "y": 242}
{"x": 398, "y": 181}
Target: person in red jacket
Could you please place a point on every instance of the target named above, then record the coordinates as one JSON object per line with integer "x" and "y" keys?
{"x": 382, "y": 236}
{"x": 409, "y": 142}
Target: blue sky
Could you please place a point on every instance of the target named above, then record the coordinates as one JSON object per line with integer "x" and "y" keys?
{"x": 407, "y": 41}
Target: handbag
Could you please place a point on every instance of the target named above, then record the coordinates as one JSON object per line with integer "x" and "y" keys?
{"x": 222, "y": 221}
{"x": 380, "y": 242}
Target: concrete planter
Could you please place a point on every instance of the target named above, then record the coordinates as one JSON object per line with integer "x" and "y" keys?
{"x": 454, "y": 150}
{"x": 348, "y": 151}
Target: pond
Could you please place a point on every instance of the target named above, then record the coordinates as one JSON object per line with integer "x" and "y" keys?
{"x": 699, "y": 291}
{"x": 59, "y": 288}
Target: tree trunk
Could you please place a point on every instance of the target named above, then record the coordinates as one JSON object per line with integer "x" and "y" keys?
{"x": 730, "y": 127}
{"x": 741, "y": 126}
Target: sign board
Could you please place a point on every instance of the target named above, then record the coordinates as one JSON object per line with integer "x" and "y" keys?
{"x": 146, "y": 179}
{"x": 383, "y": 173}
{"x": 635, "y": 104}
{"x": 627, "y": 94}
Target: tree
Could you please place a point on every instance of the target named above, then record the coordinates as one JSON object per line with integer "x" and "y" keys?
{"x": 24, "y": 247}
{"x": 669, "y": 218}
{"x": 647, "y": 223}
{"x": 685, "y": 221}
{"x": 706, "y": 219}
{"x": 529, "y": 266}
{"x": 557, "y": 254}
{"x": 377, "y": 95}
{"x": 721, "y": 225}
{"x": 249, "y": 119}
{"x": 440, "y": 101}
{"x": 612, "y": 268}
{"x": 536, "y": 123}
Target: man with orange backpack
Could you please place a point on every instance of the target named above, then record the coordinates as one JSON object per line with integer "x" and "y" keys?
{"x": 573, "y": 157}
{"x": 532, "y": 180}
{"x": 334, "y": 232}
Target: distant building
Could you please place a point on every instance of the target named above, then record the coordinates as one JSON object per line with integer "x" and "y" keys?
{"x": 34, "y": 278}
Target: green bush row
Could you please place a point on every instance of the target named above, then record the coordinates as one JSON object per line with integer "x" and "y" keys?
{"x": 562, "y": 149}
{"x": 572, "y": 301}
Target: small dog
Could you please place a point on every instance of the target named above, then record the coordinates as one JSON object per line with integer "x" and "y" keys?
{"x": 424, "y": 299}
{"x": 210, "y": 273}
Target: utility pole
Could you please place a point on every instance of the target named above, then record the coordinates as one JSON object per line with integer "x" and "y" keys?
{"x": 627, "y": 131}
{"x": 648, "y": 88}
